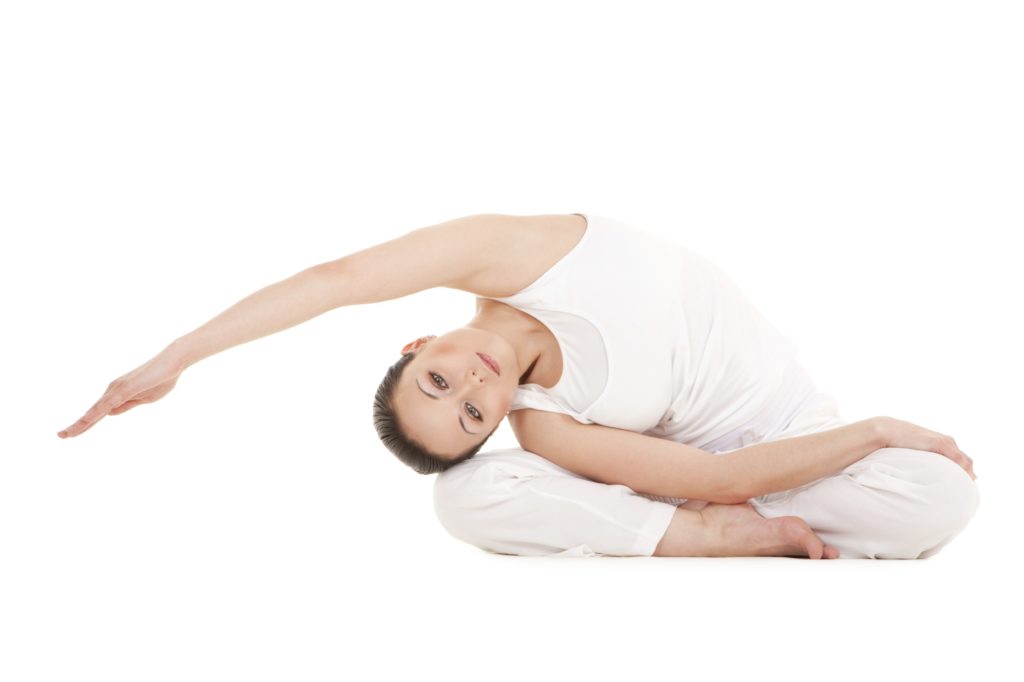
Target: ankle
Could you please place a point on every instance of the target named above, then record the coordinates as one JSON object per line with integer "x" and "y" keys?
{"x": 692, "y": 533}
{"x": 725, "y": 537}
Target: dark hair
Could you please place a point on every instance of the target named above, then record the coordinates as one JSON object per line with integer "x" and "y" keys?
{"x": 394, "y": 437}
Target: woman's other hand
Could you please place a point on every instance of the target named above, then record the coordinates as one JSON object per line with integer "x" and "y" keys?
{"x": 897, "y": 433}
{"x": 145, "y": 384}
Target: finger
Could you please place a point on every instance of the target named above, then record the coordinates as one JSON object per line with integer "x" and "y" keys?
{"x": 95, "y": 413}
{"x": 954, "y": 453}
{"x": 968, "y": 466}
{"x": 81, "y": 426}
{"x": 970, "y": 462}
{"x": 75, "y": 429}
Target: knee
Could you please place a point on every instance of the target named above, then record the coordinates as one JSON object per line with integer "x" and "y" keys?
{"x": 956, "y": 497}
{"x": 951, "y": 494}
{"x": 942, "y": 498}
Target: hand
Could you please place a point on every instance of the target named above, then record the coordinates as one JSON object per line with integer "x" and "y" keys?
{"x": 144, "y": 384}
{"x": 902, "y": 434}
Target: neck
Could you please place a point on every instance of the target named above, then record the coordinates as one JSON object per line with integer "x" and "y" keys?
{"x": 513, "y": 326}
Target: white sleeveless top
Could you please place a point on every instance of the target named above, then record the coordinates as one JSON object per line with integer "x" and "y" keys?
{"x": 657, "y": 339}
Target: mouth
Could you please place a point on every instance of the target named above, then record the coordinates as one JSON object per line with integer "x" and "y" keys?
{"x": 491, "y": 363}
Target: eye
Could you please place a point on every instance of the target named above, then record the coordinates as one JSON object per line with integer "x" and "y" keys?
{"x": 475, "y": 413}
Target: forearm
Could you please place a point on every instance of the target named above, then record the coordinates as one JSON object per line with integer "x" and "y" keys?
{"x": 784, "y": 464}
{"x": 273, "y": 308}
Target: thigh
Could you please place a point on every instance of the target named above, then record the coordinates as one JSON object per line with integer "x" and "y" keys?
{"x": 513, "y": 501}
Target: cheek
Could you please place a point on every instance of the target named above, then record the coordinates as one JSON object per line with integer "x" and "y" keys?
{"x": 505, "y": 404}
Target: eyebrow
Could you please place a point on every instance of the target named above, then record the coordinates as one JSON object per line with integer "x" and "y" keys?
{"x": 431, "y": 395}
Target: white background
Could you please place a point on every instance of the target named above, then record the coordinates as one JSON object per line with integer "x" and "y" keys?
{"x": 856, "y": 167}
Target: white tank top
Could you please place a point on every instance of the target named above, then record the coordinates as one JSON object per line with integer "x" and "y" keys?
{"x": 657, "y": 339}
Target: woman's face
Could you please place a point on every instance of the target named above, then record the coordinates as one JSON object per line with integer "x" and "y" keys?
{"x": 448, "y": 398}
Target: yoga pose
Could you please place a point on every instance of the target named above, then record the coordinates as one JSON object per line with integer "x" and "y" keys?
{"x": 658, "y": 412}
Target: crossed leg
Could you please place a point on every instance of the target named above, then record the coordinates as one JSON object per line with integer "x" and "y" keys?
{"x": 896, "y": 503}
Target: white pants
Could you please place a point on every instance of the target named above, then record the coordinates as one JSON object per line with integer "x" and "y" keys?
{"x": 895, "y": 503}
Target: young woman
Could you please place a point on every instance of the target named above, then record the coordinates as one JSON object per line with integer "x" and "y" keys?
{"x": 658, "y": 411}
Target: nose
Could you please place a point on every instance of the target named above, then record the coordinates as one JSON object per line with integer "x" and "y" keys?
{"x": 475, "y": 381}
{"x": 476, "y": 376}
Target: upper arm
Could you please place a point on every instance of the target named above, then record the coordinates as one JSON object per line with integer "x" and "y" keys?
{"x": 654, "y": 466}
{"x": 441, "y": 255}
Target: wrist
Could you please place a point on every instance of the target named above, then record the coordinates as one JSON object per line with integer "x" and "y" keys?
{"x": 182, "y": 352}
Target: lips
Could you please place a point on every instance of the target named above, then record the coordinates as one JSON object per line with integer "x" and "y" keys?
{"x": 491, "y": 363}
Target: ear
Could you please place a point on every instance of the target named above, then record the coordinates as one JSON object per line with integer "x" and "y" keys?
{"x": 414, "y": 346}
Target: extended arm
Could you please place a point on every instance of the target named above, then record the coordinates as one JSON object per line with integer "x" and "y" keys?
{"x": 445, "y": 254}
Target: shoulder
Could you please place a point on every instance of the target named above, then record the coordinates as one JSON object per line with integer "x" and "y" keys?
{"x": 511, "y": 251}
{"x": 488, "y": 254}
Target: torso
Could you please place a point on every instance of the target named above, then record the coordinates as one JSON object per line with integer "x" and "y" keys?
{"x": 535, "y": 244}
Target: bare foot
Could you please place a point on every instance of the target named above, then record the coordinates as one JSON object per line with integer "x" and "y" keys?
{"x": 747, "y": 533}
